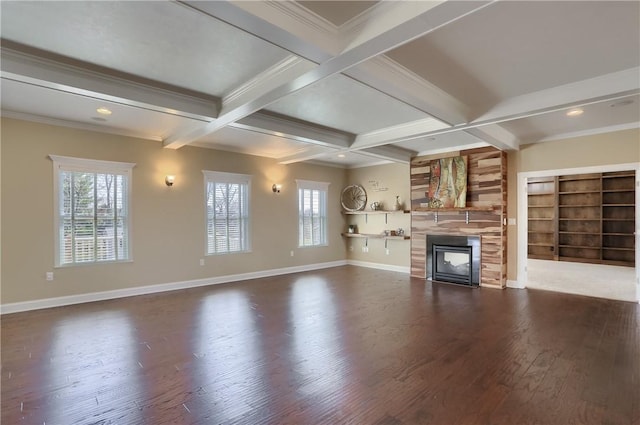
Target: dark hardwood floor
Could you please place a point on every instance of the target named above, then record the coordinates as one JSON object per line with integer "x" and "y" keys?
{"x": 346, "y": 345}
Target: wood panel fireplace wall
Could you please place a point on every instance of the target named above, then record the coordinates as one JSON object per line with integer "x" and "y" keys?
{"x": 484, "y": 215}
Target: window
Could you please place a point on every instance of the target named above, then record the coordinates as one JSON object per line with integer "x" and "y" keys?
{"x": 227, "y": 204}
{"x": 312, "y": 213}
{"x": 92, "y": 220}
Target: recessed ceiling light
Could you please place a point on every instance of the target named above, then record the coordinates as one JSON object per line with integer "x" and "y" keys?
{"x": 340, "y": 155}
{"x": 104, "y": 111}
{"x": 574, "y": 112}
{"x": 622, "y": 103}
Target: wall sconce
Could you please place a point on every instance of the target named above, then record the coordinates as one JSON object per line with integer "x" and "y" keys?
{"x": 276, "y": 188}
{"x": 168, "y": 180}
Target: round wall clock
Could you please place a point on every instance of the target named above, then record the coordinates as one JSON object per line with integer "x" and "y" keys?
{"x": 353, "y": 198}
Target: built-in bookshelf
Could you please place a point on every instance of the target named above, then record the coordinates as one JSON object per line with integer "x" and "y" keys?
{"x": 542, "y": 196}
{"x": 583, "y": 218}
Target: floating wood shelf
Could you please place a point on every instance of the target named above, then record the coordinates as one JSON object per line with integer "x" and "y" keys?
{"x": 376, "y": 212}
{"x": 375, "y": 236}
{"x": 465, "y": 209}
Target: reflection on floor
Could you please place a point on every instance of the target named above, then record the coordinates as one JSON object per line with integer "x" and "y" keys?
{"x": 595, "y": 280}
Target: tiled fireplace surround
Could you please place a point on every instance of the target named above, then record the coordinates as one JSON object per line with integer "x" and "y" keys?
{"x": 486, "y": 210}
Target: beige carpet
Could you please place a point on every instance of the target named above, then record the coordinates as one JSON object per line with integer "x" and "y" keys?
{"x": 595, "y": 280}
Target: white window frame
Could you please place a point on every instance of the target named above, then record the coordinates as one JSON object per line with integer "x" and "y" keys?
{"x": 322, "y": 187}
{"x": 66, "y": 163}
{"x": 229, "y": 178}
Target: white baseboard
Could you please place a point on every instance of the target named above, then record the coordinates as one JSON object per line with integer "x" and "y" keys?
{"x": 389, "y": 267}
{"x": 514, "y": 284}
{"x": 152, "y": 289}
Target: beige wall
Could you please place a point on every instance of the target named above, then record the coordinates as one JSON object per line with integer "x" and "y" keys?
{"x": 619, "y": 147}
{"x": 168, "y": 236}
{"x": 168, "y": 223}
{"x": 382, "y": 183}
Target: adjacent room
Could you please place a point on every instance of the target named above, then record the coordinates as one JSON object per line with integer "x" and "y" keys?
{"x": 320, "y": 212}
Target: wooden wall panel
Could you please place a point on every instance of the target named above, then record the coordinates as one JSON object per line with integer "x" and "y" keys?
{"x": 486, "y": 188}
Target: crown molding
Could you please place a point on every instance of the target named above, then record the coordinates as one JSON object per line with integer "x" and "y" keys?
{"x": 380, "y": 18}
{"x": 395, "y": 80}
{"x": 296, "y": 20}
{"x": 49, "y": 73}
{"x": 295, "y": 130}
{"x": 77, "y": 125}
{"x": 590, "y": 132}
{"x": 285, "y": 70}
{"x": 452, "y": 148}
{"x": 398, "y": 133}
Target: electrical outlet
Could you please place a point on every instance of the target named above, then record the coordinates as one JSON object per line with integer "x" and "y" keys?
{"x": 291, "y": 253}
{"x": 202, "y": 261}
{"x": 387, "y": 251}
{"x": 351, "y": 248}
{"x": 49, "y": 276}
{"x": 365, "y": 249}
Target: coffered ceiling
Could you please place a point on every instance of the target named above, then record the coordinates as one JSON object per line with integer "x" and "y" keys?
{"x": 346, "y": 83}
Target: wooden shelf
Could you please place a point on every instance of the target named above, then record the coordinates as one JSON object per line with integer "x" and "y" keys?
{"x": 579, "y": 206}
{"x": 577, "y": 192}
{"x": 366, "y": 212}
{"x": 618, "y": 205}
{"x": 375, "y": 236}
{"x": 579, "y": 247}
{"x": 465, "y": 209}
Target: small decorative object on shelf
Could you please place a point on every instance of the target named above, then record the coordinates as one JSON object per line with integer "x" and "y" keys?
{"x": 353, "y": 228}
{"x": 376, "y": 206}
{"x": 400, "y": 232}
{"x": 398, "y": 205}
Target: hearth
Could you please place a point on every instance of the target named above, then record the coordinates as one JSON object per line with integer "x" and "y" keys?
{"x": 453, "y": 259}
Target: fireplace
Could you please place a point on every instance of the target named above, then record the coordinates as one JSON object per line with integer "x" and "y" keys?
{"x": 453, "y": 259}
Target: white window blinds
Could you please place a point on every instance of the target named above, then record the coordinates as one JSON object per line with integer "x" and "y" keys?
{"x": 312, "y": 213}
{"x": 92, "y": 210}
{"x": 227, "y": 211}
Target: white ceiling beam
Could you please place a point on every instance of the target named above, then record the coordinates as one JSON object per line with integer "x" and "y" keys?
{"x": 397, "y": 133}
{"x": 312, "y": 152}
{"x": 593, "y": 90}
{"x": 379, "y": 43}
{"x": 391, "y": 78}
{"x": 260, "y": 19}
{"x": 277, "y": 75}
{"x": 486, "y": 127}
{"x": 389, "y": 152}
{"x": 381, "y": 19}
{"x": 280, "y": 126}
{"x": 496, "y": 136}
{"x": 30, "y": 69}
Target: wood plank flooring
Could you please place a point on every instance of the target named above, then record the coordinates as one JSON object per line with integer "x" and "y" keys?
{"x": 346, "y": 345}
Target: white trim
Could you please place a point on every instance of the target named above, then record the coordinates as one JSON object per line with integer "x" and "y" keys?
{"x": 380, "y": 266}
{"x": 224, "y": 177}
{"x": 523, "y": 207}
{"x": 514, "y": 284}
{"x": 590, "y": 132}
{"x": 84, "y": 164}
{"x": 69, "y": 163}
{"x": 163, "y": 287}
{"x": 312, "y": 185}
{"x": 77, "y": 125}
{"x": 453, "y": 148}
{"x": 233, "y": 178}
